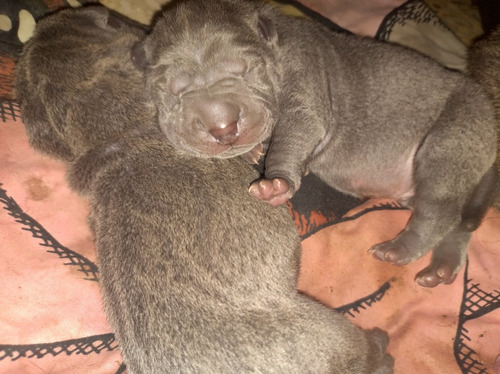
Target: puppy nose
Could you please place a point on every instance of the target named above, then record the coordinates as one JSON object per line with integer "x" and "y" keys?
{"x": 225, "y": 133}
{"x": 219, "y": 117}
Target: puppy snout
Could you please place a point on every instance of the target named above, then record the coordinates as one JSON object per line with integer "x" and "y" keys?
{"x": 220, "y": 119}
{"x": 225, "y": 134}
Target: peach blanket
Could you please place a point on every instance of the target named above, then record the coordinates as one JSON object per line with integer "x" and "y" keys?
{"x": 51, "y": 317}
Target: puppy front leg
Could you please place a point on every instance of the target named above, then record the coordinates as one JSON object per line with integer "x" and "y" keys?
{"x": 293, "y": 142}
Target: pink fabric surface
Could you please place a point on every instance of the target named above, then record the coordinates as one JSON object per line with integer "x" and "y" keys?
{"x": 45, "y": 300}
{"x": 422, "y": 323}
{"x": 51, "y": 315}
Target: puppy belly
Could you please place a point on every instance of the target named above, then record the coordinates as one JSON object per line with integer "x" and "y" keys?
{"x": 382, "y": 187}
{"x": 360, "y": 177}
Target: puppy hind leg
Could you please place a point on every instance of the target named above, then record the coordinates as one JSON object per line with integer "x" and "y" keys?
{"x": 447, "y": 259}
{"x": 449, "y": 256}
{"x": 427, "y": 226}
{"x": 480, "y": 200}
{"x": 444, "y": 223}
{"x": 448, "y": 168}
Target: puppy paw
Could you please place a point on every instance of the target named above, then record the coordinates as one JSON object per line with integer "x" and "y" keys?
{"x": 447, "y": 259}
{"x": 275, "y": 191}
{"x": 437, "y": 273}
{"x": 382, "y": 362}
{"x": 392, "y": 252}
{"x": 386, "y": 365}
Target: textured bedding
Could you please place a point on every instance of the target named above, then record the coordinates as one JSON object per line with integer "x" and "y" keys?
{"x": 51, "y": 316}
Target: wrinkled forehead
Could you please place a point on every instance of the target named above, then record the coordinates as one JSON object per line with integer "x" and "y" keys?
{"x": 205, "y": 31}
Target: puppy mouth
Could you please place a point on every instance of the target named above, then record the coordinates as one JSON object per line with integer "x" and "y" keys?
{"x": 220, "y": 149}
{"x": 236, "y": 150}
{"x": 230, "y": 138}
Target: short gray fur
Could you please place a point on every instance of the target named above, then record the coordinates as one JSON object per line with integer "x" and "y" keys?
{"x": 64, "y": 81}
{"x": 196, "y": 275}
{"x": 237, "y": 77}
{"x": 484, "y": 66}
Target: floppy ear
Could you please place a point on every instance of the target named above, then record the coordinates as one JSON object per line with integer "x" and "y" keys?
{"x": 267, "y": 30}
{"x": 139, "y": 56}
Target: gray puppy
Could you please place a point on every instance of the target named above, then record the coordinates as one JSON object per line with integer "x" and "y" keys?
{"x": 199, "y": 277}
{"x": 484, "y": 66}
{"x": 73, "y": 52}
{"x": 370, "y": 119}
{"x": 196, "y": 275}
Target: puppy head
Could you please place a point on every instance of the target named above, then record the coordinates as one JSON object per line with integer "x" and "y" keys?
{"x": 213, "y": 70}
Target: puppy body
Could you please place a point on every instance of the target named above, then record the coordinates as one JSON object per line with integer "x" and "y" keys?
{"x": 196, "y": 275}
{"x": 199, "y": 277}
{"x": 72, "y": 54}
{"x": 484, "y": 66}
{"x": 235, "y": 77}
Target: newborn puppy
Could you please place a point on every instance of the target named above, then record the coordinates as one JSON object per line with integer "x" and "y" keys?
{"x": 369, "y": 118}
{"x": 484, "y": 66}
{"x": 71, "y": 53}
{"x": 196, "y": 276}
{"x": 199, "y": 277}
